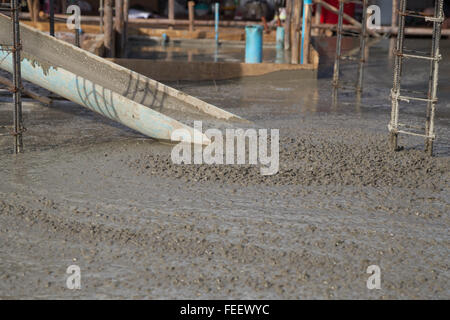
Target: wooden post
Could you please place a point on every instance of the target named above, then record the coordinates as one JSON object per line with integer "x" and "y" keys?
{"x": 318, "y": 13}
{"x": 109, "y": 29}
{"x": 317, "y": 17}
{"x": 34, "y": 7}
{"x": 118, "y": 27}
{"x": 126, "y": 9}
{"x": 306, "y": 33}
{"x": 296, "y": 15}
{"x": 171, "y": 12}
{"x": 287, "y": 26}
{"x": 191, "y": 5}
{"x": 30, "y": 8}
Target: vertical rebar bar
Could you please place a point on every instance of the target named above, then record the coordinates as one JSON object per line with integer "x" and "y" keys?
{"x": 362, "y": 48}
{"x": 434, "y": 74}
{"x": 337, "y": 59}
{"x": 17, "y": 79}
{"x": 77, "y": 30}
{"x": 393, "y": 126}
{"x": 77, "y": 37}
{"x": 52, "y": 17}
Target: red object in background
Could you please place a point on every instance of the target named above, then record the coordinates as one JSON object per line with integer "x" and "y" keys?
{"x": 329, "y": 17}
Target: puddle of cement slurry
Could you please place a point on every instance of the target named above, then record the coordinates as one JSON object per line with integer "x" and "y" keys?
{"x": 91, "y": 192}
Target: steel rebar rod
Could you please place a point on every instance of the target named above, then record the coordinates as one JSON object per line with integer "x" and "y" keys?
{"x": 17, "y": 79}
{"x": 77, "y": 30}
{"x": 337, "y": 59}
{"x": 362, "y": 48}
{"x": 393, "y": 125}
{"x": 434, "y": 74}
{"x": 52, "y": 17}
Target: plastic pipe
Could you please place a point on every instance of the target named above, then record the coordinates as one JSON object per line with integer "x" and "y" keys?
{"x": 217, "y": 7}
{"x": 280, "y": 37}
{"x": 253, "y": 44}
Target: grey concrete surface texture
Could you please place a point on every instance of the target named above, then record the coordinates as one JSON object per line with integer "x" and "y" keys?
{"x": 92, "y": 193}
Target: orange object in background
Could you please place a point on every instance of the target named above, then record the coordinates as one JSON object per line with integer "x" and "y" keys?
{"x": 329, "y": 17}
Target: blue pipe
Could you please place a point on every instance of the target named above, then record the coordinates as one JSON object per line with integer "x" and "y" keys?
{"x": 217, "y": 14}
{"x": 279, "y": 58}
{"x": 164, "y": 39}
{"x": 280, "y": 37}
{"x": 253, "y": 44}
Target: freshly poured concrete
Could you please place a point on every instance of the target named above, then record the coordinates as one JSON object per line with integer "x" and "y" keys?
{"x": 96, "y": 194}
{"x": 199, "y": 50}
{"x": 201, "y": 60}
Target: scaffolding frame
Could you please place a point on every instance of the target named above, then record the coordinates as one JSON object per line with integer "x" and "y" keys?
{"x": 363, "y": 34}
{"x": 397, "y": 94}
{"x": 17, "y": 128}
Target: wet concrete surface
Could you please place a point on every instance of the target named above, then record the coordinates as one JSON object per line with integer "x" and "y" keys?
{"x": 93, "y": 193}
{"x": 201, "y": 50}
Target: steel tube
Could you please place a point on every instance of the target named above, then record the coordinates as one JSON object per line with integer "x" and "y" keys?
{"x": 362, "y": 48}
{"x": 393, "y": 126}
{"x": 17, "y": 79}
{"x": 337, "y": 59}
{"x": 52, "y": 17}
{"x": 434, "y": 75}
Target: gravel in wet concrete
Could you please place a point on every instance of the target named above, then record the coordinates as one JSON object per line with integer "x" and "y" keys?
{"x": 92, "y": 193}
